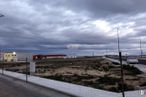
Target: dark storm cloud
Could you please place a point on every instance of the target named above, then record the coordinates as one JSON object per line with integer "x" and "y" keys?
{"x": 85, "y": 25}
{"x": 96, "y": 6}
{"x": 102, "y": 7}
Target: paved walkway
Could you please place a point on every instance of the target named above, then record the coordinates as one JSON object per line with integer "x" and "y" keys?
{"x": 10, "y": 87}
{"x": 139, "y": 66}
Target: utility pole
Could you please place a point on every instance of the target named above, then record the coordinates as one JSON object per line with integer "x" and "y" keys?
{"x": 3, "y": 64}
{"x": 1, "y": 15}
{"x": 141, "y": 51}
{"x": 118, "y": 39}
{"x": 2, "y": 61}
{"x": 121, "y": 64}
{"x": 26, "y": 74}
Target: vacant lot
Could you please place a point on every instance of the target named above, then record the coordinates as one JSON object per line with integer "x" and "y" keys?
{"x": 92, "y": 72}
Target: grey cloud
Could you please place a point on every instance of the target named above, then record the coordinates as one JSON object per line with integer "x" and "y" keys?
{"x": 52, "y": 25}
{"x": 105, "y": 7}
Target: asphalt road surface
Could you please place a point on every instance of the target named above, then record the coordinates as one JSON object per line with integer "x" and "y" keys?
{"x": 10, "y": 87}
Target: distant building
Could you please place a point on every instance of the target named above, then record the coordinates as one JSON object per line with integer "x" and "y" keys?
{"x": 10, "y": 57}
{"x": 17, "y": 57}
{"x": 40, "y": 57}
{"x": 132, "y": 61}
{"x": 142, "y": 61}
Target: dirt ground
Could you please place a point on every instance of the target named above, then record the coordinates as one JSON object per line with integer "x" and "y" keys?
{"x": 96, "y": 73}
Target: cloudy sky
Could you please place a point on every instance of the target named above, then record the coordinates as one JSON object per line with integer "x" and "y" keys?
{"x": 72, "y": 26}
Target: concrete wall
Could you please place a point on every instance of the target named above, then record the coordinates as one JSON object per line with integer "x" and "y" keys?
{"x": 24, "y": 56}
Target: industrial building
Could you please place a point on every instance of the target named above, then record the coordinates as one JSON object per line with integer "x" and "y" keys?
{"x": 40, "y": 57}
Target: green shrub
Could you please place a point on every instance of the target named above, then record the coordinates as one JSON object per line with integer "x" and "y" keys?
{"x": 108, "y": 80}
{"x": 133, "y": 70}
{"x": 126, "y": 87}
{"x": 114, "y": 89}
{"x": 143, "y": 84}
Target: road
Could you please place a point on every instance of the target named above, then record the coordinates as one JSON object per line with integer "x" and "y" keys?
{"x": 10, "y": 87}
{"x": 115, "y": 60}
{"x": 139, "y": 66}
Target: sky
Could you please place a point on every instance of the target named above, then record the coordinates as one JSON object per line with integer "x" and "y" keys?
{"x": 81, "y": 27}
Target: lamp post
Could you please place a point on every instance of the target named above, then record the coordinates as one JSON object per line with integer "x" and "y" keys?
{"x": 1, "y": 15}
{"x": 121, "y": 64}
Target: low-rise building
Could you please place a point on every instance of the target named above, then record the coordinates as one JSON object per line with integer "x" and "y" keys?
{"x": 17, "y": 57}
{"x": 142, "y": 61}
{"x": 40, "y": 57}
{"x": 10, "y": 57}
{"x": 132, "y": 61}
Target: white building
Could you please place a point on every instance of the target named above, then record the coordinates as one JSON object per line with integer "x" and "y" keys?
{"x": 132, "y": 61}
{"x": 16, "y": 57}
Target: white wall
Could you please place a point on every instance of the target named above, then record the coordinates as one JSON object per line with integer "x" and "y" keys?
{"x": 23, "y": 56}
